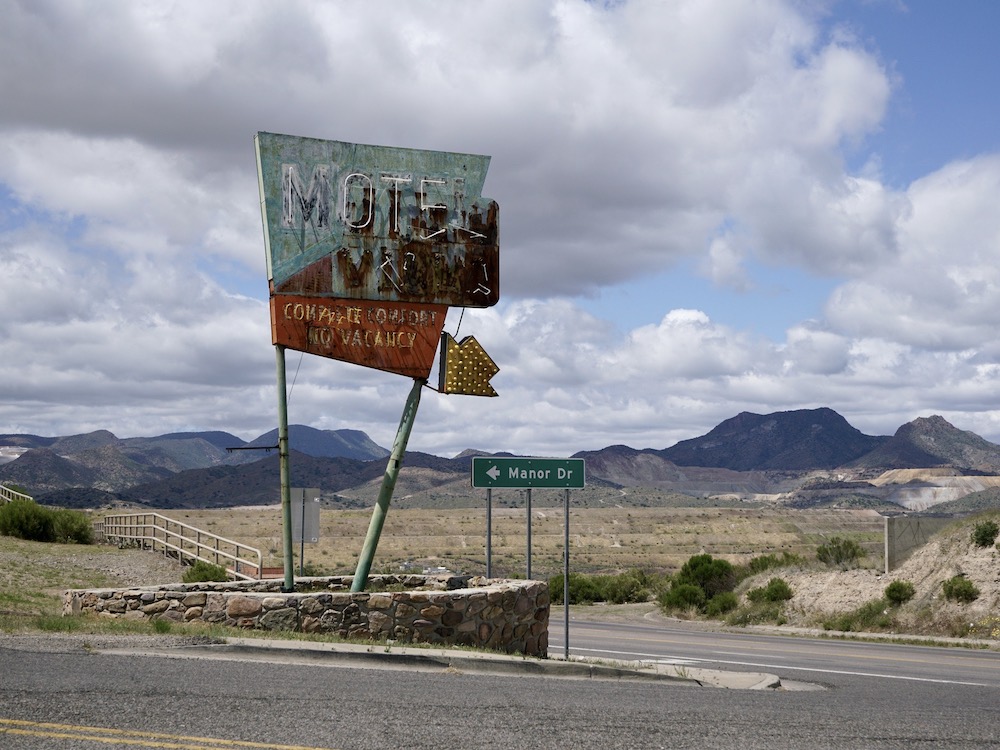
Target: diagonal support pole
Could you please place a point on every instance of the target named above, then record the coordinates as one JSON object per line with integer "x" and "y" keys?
{"x": 388, "y": 485}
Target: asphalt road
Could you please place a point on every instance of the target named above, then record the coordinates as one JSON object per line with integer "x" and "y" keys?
{"x": 790, "y": 657}
{"x": 81, "y": 699}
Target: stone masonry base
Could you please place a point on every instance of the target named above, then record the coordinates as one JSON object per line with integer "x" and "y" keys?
{"x": 503, "y": 615}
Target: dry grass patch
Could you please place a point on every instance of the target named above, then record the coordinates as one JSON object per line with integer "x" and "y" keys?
{"x": 602, "y": 540}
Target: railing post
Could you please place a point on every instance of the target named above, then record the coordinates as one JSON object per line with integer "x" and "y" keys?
{"x": 148, "y": 530}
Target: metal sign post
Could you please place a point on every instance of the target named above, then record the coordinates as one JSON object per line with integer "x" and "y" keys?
{"x": 489, "y": 533}
{"x": 283, "y": 472}
{"x": 525, "y": 473}
{"x": 527, "y": 508}
{"x": 566, "y": 575}
{"x": 305, "y": 520}
{"x": 388, "y": 484}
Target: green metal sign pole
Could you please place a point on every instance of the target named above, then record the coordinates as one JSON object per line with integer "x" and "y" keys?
{"x": 388, "y": 484}
{"x": 566, "y": 575}
{"x": 286, "y": 493}
{"x": 489, "y": 533}
{"x": 527, "y": 514}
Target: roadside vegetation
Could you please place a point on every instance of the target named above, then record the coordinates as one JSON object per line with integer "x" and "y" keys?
{"x": 630, "y": 587}
{"x": 984, "y": 533}
{"x": 203, "y": 571}
{"x": 763, "y": 589}
{"x": 26, "y": 519}
{"x": 840, "y": 553}
{"x": 777, "y": 587}
{"x": 705, "y": 586}
{"x": 34, "y": 575}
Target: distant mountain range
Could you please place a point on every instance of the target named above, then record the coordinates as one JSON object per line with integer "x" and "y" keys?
{"x": 802, "y": 456}
{"x": 101, "y": 461}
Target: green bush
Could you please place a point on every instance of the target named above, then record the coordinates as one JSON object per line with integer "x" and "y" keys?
{"x": 985, "y": 533}
{"x": 683, "y": 596}
{"x": 26, "y": 519}
{"x": 762, "y": 563}
{"x": 776, "y": 590}
{"x": 622, "y": 588}
{"x": 899, "y": 592}
{"x": 203, "y": 571}
{"x": 960, "y": 589}
{"x": 312, "y": 569}
{"x": 699, "y": 581}
{"x": 162, "y": 626}
{"x": 712, "y": 576}
{"x": 756, "y": 614}
{"x": 839, "y": 552}
{"x": 721, "y": 604}
{"x": 629, "y": 587}
{"x": 71, "y": 527}
{"x": 583, "y": 589}
{"x": 871, "y": 616}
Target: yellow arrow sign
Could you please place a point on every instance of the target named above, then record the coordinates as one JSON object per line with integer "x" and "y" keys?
{"x": 465, "y": 367}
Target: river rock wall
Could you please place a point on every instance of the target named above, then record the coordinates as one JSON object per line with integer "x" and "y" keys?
{"x": 503, "y": 615}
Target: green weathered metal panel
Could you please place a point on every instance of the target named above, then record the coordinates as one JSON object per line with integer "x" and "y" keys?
{"x": 381, "y": 223}
{"x": 527, "y": 473}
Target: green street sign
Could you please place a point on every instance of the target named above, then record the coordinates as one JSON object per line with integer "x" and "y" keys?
{"x": 526, "y": 473}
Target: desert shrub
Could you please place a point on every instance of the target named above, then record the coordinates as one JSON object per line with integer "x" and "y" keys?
{"x": 960, "y": 589}
{"x": 312, "y": 569}
{"x": 712, "y": 576}
{"x": 583, "y": 589}
{"x": 699, "y": 580}
{"x": 622, "y": 588}
{"x": 839, "y": 552}
{"x": 763, "y": 563}
{"x": 71, "y": 527}
{"x": 721, "y": 604}
{"x": 682, "y": 596}
{"x": 203, "y": 571}
{"x": 625, "y": 588}
{"x": 757, "y": 613}
{"x": 873, "y": 615}
{"x": 26, "y": 519}
{"x": 899, "y": 592}
{"x": 776, "y": 590}
{"x": 985, "y": 533}
{"x": 162, "y": 626}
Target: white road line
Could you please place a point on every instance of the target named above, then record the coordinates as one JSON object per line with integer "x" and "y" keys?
{"x": 691, "y": 660}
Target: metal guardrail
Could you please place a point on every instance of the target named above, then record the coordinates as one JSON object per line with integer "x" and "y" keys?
{"x": 7, "y": 494}
{"x": 158, "y": 533}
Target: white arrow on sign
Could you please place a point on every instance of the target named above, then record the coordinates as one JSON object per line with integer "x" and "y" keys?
{"x": 493, "y": 472}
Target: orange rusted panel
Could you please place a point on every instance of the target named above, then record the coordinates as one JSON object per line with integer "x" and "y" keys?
{"x": 391, "y": 336}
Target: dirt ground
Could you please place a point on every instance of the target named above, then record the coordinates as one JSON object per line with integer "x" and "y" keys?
{"x": 948, "y": 554}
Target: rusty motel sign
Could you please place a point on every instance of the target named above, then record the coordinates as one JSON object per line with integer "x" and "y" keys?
{"x": 367, "y": 247}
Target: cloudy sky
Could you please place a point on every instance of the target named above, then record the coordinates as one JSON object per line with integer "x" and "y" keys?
{"x": 707, "y": 207}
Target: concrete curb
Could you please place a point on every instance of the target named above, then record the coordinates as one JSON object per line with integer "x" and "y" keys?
{"x": 391, "y": 656}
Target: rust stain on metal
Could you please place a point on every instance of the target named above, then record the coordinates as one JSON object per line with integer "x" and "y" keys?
{"x": 391, "y": 336}
{"x": 353, "y": 221}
